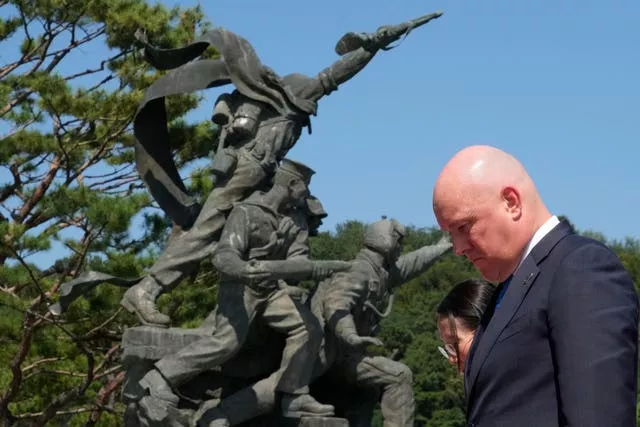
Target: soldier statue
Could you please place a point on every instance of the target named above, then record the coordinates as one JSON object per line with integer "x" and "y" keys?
{"x": 260, "y": 122}
{"x": 254, "y": 254}
{"x": 350, "y": 305}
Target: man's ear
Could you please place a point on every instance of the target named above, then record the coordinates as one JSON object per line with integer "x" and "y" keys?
{"x": 512, "y": 201}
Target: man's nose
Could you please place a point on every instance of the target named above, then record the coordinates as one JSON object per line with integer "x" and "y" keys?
{"x": 460, "y": 246}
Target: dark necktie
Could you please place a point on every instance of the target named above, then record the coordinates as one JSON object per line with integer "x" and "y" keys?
{"x": 503, "y": 290}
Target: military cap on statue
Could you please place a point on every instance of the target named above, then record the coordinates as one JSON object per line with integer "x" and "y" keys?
{"x": 315, "y": 208}
{"x": 296, "y": 170}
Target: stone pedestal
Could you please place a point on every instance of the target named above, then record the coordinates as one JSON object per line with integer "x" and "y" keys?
{"x": 315, "y": 422}
{"x": 152, "y": 343}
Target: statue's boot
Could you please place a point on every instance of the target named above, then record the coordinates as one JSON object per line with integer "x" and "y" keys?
{"x": 158, "y": 387}
{"x": 304, "y": 405}
{"x": 214, "y": 418}
{"x": 140, "y": 300}
{"x": 219, "y": 422}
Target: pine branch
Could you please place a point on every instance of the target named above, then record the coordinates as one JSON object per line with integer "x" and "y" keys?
{"x": 10, "y": 190}
{"x": 29, "y": 325}
{"x": 103, "y": 394}
{"x": 40, "y": 190}
{"x": 57, "y": 125}
{"x": 64, "y": 52}
{"x": 101, "y": 82}
{"x": 100, "y": 151}
{"x": 37, "y": 364}
{"x": 30, "y": 272}
{"x": 45, "y": 45}
{"x": 61, "y": 372}
{"x": 48, "y": 38}
{"x": 114, "y": 172}
{"x": 114, "y": 182}
{"x": 36, "y": 219}
{"x": 17, "y": 129}
{"x": 6, "y": 70}
{"x": 16, "y": 101}
{"x": 33, "y": 319}
{"x": 108, "y": 358}
{"x": 126, "y": 191}
{"x": 100, "y": 68}
{"x": 73, "y": 269}
{"x": 37, "y": 164}
{"x": 65, "y": 412}
{"x": 125, "y": 177}
{"x": 27, "y": 58}
{"x": 40, "y": 362}
{"x": 89, "y": 335}
{"x": 25, "y": 24}
{"x": 92, "y": 374}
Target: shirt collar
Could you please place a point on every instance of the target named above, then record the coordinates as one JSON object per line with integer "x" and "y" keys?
{"x": 539, "y": 235}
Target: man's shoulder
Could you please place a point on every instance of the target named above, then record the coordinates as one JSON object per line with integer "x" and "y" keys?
{"x": 574, "y": 244}
{"x": 576, "y": 253}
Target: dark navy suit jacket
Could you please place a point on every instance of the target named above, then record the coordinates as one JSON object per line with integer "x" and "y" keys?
{"x": 562, "y": 347}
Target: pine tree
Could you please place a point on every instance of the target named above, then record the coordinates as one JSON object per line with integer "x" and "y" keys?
{"x": 71, "y": 78}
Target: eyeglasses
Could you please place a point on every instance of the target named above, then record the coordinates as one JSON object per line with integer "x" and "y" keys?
{"x": 448, "y": 351}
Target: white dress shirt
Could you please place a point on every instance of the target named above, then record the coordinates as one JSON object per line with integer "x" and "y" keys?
{"x": 542, "y": 231}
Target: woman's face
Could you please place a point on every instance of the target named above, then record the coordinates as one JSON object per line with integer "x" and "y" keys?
{"x": 456, "y": 341}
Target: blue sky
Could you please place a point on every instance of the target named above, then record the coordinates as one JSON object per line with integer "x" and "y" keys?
{"x": 554, "y": 83}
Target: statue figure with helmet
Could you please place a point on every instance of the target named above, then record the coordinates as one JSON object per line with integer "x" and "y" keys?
{"x": 252, "y": 256}
{"x": 349, "y": 306}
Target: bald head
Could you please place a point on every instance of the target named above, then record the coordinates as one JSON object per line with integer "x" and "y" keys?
{"x": 485, "y": 197}
{"x": 480, "y": 171}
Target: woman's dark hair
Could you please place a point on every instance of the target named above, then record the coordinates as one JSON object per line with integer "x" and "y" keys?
{"x": 467, "y": 302}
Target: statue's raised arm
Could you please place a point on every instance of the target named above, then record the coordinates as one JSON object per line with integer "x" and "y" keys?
{"x": 356, "y": 50}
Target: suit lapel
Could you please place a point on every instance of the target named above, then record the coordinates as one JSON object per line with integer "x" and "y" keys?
{"x": 517, "y": 290}
{"x": 542, "y": 249}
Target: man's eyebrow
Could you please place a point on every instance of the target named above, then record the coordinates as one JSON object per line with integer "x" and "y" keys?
{"x": 459, "y": 221}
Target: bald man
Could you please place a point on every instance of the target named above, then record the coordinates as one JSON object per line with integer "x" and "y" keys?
{"x": 558, "y": 347}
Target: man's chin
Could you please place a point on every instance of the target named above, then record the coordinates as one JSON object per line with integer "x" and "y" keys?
{"x": 484, "y": 270}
